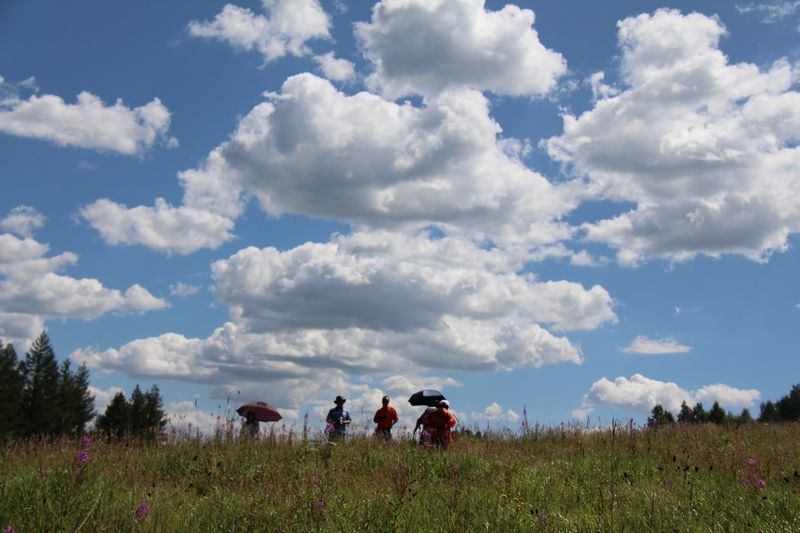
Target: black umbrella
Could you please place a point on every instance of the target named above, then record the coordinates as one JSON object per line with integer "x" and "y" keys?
{"x": 427, "y": 397}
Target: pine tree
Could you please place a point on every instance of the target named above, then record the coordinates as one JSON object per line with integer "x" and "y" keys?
{"x": 156, "y": 418}
{"x": 40, "y": 394}
{"x": 685, "y": 415}
{"x": 699, "y": 414}
{"x": 716, "y": 414}
{"x": 77, "y": 403}
{"x": 11, "y": 385}
{"x": 789, "y": 405}
{"x": 769, "y": 413}
{"x": 116, "y": 420}
{"x": 660, "y": 416}
{"x": 744, "y": 416}
{"x": 138, "y": 412}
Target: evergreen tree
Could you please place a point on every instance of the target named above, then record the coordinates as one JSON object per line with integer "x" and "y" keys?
{"x": 154, "y": 409}
{"x": 699, "y": 414}
{"x": 138, "y": 412}
{"x": 11, "y": 386}
{"x": 716, "y": 414}
{"x": 77, "y": 403}
{"x": 789, "y": 405}
{"x": 685, "y": 415}
{"x": 769, "y": 413}
{"x": 659, "y": 417}
{"x": 116, "y": 421}
{"x": 744, "y": 416}
{"x": 40, "y": 407}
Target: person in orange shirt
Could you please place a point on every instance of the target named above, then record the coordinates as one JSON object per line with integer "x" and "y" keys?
{"x": 385, "y": 417}
{"x": 441, "y": 422}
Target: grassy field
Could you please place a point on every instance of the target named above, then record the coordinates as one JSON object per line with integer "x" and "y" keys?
{"x": 684, "y": 478}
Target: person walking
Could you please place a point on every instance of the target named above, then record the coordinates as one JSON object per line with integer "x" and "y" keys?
{"x": 250, "y": 426}
{"x": 338, "y": 419}
{"x": 386, "y": 417}
{"x": 441, "y": 422}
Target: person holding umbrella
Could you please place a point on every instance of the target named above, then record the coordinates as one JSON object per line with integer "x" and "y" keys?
{"x": 339, "y": 418}
{"x": 255, "y": 412}
{"x": 385, "y": 417}
{"x": 250, "y": 426}
{"x": 429, "y": 398}
{"x": 441, "y": 422}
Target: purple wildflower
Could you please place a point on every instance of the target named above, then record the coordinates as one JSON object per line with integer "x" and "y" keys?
{"x": 85, "y": 442}
{"x": 143, "y": 510}
{"x": 745, "y": 482}
{"x": 329, "y": 429}
{"x": 542, "y": 516}
{"x": 751, "y": 461}
{"x": 762, "y": 484}
{"x": 319, "y": 505}
{"x": 10, "y": 529}
{"x": 82, "y": 458}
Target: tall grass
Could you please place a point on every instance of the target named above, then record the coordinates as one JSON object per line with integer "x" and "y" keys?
{"x": 695, "y": 478}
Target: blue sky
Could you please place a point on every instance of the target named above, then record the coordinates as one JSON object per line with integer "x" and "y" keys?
{"x": 580, "y": 208}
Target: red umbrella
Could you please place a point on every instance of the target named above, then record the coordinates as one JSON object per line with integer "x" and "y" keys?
{"x": 264, "y": 412}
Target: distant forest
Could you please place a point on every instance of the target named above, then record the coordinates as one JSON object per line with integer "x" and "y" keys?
{"x": 40, "y": 398}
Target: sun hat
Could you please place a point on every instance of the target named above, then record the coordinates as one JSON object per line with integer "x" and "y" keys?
{"x": 340, "y": 399}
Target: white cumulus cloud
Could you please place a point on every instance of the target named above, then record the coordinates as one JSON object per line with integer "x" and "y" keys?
{"x": 495, "y": 412}
{"x": 645, "y": 345}
{"x": 23, "y": 220}
{"x": 359, "y": 159}
{"x": 183, "y": 289}
{"x": 642, "y": 394}
{"x": 164, "y": 228}
{"x": 335, "y": 69}
{"x": 705, "y": 148}
{"x": 368, "y": 304}
{"x": 284, "y": 29}
{"x": 87, "y": 123}
{"x": 31, "y": 291}
{"x": 425, "y": 46}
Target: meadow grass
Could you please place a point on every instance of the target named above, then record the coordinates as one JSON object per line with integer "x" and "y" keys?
{"x": 683, "y": 478}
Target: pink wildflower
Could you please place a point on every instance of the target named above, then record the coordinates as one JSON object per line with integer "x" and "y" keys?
{"x": 85, "y": 442}
{"x": 143, "y": 510}
{"x": 319, "y": 505}
{"x": 10, "y": 529}
{"x": 82, "y": 459}
{"x": 751, "y": 461}
{"x": 762, "y": 484}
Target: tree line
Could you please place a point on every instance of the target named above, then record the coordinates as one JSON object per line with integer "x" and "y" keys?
{"x": 39, "y": 397}
{"x": 787, "y": 409}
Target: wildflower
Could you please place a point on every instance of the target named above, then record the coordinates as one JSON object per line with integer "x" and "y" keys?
{"x": 143, "y": 510}
{"x": 329, "y": 429}
{"x": 762, "y": 484}
{"x": 10, "y": 529}
{"x": 85, "y": 442}
{"x": 82, "y": 459}
{"x": 542, "y": 516}
{"x": 751, "y": 461}
{"x": 319, "y": 505}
